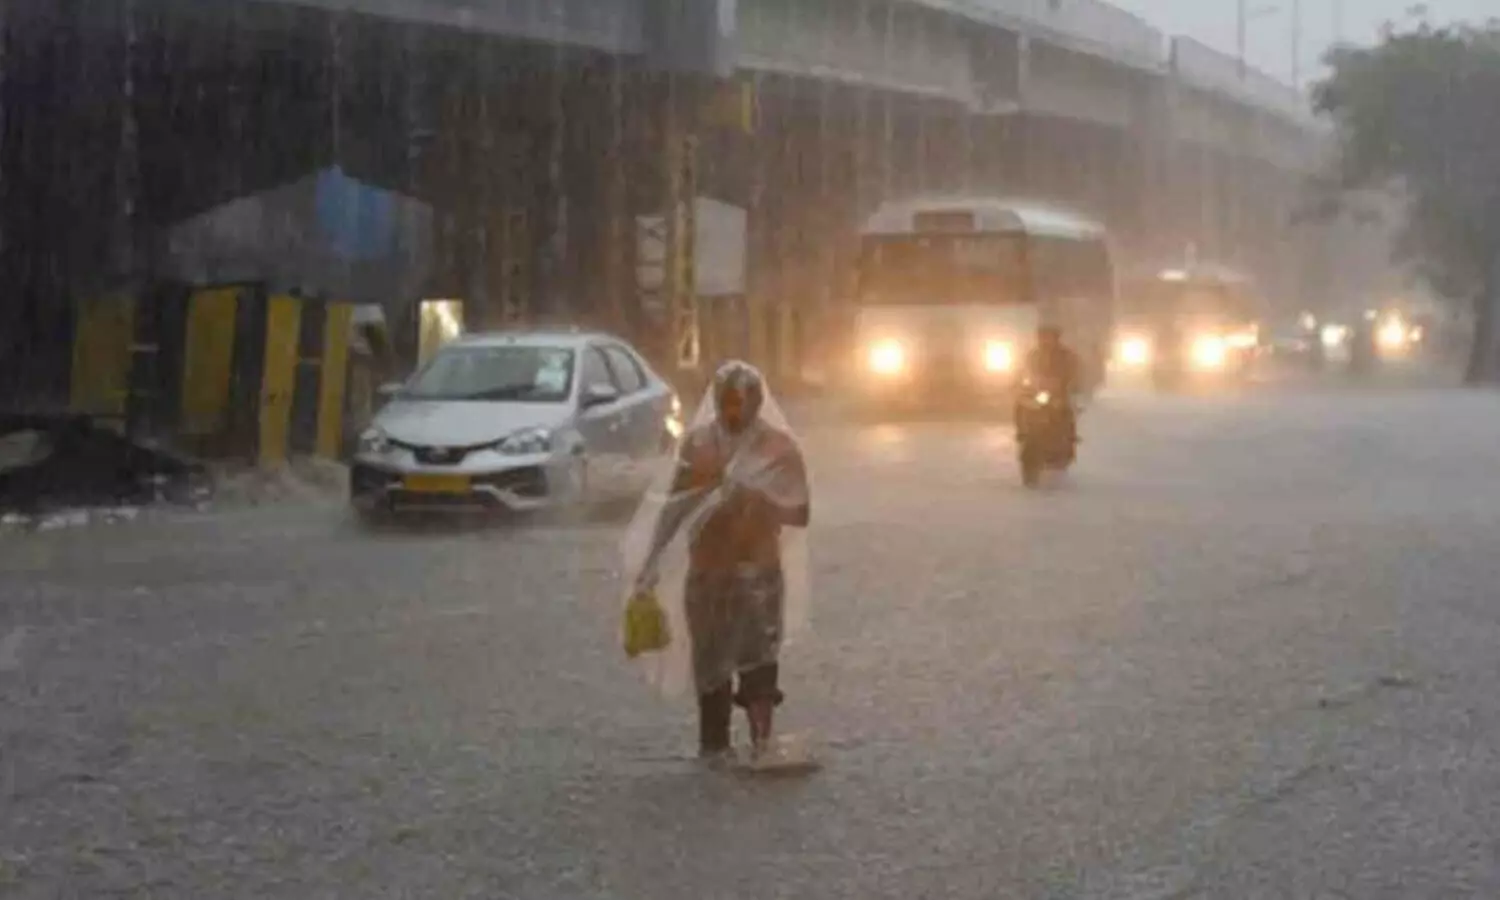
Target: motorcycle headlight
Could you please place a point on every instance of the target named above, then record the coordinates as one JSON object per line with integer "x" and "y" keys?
{"x": 527, "y": 442}
{"x": 999, "y": 356}
{"x": 1043, "y": 398}
{"x": 374, "y": 441}
{"x": 1209, "y": 351}
{"x": 887, "y": 358}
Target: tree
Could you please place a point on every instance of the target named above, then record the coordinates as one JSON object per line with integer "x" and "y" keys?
{"x": 1420, "y": 114}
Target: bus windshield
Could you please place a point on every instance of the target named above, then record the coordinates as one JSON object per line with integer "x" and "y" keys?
{"x": 942, "y": 270}
{"x": 1216, "y": 301}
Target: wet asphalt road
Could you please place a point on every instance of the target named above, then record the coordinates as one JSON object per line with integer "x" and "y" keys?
{"x": 1246, "y": 650}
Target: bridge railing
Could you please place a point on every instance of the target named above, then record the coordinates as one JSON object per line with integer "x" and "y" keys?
{"x": 1201, "y": 66}
{"x": 1093, "y": 24}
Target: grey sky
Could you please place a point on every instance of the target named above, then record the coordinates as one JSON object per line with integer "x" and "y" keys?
{"x": 1269, "y": 36}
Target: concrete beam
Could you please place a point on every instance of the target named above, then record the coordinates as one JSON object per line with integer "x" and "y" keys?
{"x": 888, "y": 44}
{"x": 615, "y": 26}
{"x": 1068, "y": 85}
{"x": 1206, "y": 69}
{"x": 1090, "y": 27}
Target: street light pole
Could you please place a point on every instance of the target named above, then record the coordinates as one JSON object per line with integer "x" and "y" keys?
{"x": 1297, "y": 44}
{"x": 1243, "y": 23}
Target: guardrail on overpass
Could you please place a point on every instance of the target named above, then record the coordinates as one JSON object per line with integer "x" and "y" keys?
{"x": 836, "y": 38}
{"x": 1199, "y": 66}
{"x": 1087, "y": 26}
{"x": 615, "y": 26}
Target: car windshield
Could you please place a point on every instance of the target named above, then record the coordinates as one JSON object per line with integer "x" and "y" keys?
{"x": 515, "y": 373}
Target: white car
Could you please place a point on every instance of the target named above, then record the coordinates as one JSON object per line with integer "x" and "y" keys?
{"x": 511, "y": 421}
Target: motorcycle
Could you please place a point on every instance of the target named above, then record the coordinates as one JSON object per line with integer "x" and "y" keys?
{"x": 1046, "y": 439}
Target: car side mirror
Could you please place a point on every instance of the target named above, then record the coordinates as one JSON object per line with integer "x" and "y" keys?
{"x": 599, "y": 395}
{"x": 389, "y": 390}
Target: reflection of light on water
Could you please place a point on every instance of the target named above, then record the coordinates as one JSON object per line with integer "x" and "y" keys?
{"x": 998, "y": 438}
{"x": 889, "y": 435}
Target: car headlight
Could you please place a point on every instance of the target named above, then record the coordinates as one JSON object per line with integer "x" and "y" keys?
{"x": 887, "y": 358}
{"x": 1392, "y": 335}
{"x": 526, "y": 442}
{"x": 999, "y": 356}
{"x": 1209, "y": 351}
{"x": 374, "y": 441}
{"x": 1135, "y": 351}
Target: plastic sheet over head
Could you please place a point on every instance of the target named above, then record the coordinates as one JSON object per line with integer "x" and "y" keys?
{"x": 700, "y": 491}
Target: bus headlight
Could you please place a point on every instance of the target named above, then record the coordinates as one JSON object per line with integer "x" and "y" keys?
{"x": 1244, "y": 340}
{"x": 887, "y": 358}
{"x": 1209, "y": 352}
{"x": 1135, "y": 351}
{"x": 999, "y": 356}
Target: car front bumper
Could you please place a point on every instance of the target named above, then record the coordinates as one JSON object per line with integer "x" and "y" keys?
{"x": 518, "y": 484}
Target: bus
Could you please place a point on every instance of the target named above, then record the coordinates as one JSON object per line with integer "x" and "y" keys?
{"x": 950, "y": 293}
{"x": 1196, "y": 322}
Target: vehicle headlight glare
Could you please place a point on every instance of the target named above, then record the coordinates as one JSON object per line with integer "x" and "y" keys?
{"x": 887, "y": 358}
{"x": 999, "y": 356}
{"x": 1135, "y": 351}
{"x": 1209, "y": 351}
{"x": 1244, "y": 340}
{"x": 1393, "y": 335}
{"x": 527, "y": 442}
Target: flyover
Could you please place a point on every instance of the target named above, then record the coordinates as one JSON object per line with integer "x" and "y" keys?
{"x": 542, "y": 133}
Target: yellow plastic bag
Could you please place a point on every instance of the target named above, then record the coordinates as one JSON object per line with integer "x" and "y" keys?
{"x": 646, "y": 628}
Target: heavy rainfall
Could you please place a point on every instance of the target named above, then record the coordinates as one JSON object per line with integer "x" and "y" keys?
{"x": 1045, "y": 454}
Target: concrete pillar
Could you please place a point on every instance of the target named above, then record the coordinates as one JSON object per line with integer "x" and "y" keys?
{"x": 617, "y": 229}
{"x": 1153, "y": 137}
{"x": 759, "y": 231}
{"x": 680, "y": 160}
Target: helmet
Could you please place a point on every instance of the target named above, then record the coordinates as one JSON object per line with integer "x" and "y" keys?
{"x": 739, "y": 392}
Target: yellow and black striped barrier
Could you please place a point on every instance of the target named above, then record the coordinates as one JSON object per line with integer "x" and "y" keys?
{"x": 228, "y": 370}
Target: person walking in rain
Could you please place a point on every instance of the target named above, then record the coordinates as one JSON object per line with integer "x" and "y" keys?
{"x": 738, "y": 484}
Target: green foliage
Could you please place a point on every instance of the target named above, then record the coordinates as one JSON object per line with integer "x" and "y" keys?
{"x": 1420, "y": 113}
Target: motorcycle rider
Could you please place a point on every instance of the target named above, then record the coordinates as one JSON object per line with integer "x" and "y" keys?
{"x": 1054, "y": 366}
